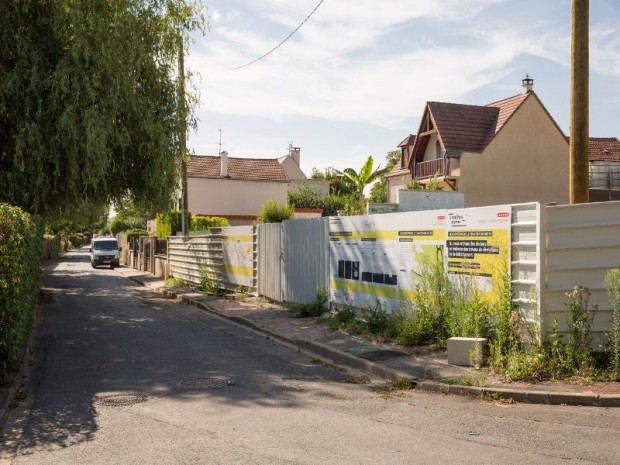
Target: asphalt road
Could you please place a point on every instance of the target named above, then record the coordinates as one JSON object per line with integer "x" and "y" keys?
{"x": 127, "y": 377}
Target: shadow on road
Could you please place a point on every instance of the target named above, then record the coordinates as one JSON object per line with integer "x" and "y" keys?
{"x": 105, "y": 336}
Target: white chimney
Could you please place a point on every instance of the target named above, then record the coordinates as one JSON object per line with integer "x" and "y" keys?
{"x": 294, "y": 152}
{"x": 224, "y": 164}
{"x": 527, "y": 83}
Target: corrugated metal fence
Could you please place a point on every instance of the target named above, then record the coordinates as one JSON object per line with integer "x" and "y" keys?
{"x": 582, "y": 243}
{"x": 553, "y": 249}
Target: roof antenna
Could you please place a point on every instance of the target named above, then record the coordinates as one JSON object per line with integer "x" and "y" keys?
{"x": 220, "y": 151}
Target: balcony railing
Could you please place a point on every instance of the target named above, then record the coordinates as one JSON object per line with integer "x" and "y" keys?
{"x": 427, "y": 169}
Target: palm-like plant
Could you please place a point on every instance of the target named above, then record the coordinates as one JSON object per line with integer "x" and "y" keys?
{"x": 362, "y": 179}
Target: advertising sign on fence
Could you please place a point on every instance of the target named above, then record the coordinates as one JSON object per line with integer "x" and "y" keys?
{"x": 237, "y": 248}
{"x": 376, "y": 258}
{"x": 478, "y": 245}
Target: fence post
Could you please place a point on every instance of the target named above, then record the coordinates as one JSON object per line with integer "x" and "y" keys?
{"x": 541, "y": 265}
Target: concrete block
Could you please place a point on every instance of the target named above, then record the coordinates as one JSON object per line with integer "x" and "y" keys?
{"x": 465, "y": 350}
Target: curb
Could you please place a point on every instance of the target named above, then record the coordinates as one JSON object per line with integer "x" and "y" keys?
{"x": 352, "y": 361}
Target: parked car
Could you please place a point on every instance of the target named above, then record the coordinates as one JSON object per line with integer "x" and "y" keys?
{"x": 104, "y": 251}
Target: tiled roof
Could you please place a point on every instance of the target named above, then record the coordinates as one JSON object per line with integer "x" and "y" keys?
{"x": 248, "y": 169}
{"x": 604, "y": 149}
{"x": 398, "y": 171}
{"x": 463, "y": 127}
{"x": 409, "y": 140}
{"x": 506, "y": 108}
{"x": 471, "y": 128}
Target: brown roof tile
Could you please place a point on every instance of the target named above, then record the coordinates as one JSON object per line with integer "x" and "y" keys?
{"x": 248, "y": 169}
{"x": 463, "y": 127}
{"x": 398, "y": 171}
{"x": 506, "y": 108}
{"x": 604, "y": 149}
{"x": 409, "y": 140}
{"x": 472, "y": 127}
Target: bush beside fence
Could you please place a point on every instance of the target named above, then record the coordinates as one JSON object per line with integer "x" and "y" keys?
{"x": 20, "y": 267}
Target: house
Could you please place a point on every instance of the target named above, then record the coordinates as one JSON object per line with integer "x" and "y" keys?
{"x": 509, "y": 151}
{"x": 235, "y": 188}
{"x": 400, "y": 174}
{"x": 604, "y": 154}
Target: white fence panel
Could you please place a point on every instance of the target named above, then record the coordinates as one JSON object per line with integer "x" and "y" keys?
{"x": 305, "y": 258}
{"x": 582, "y": 245}
{"x": 188, "y": 255}
{"x": 238, "y": 256}
{"x": 269, "y": 261}
{"x": 525, "y": 255}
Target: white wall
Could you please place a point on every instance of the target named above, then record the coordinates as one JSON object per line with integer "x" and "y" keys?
{"x": 416, "y": 200}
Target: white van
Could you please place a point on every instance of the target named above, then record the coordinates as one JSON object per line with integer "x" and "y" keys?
{"x": 104, "y": 251}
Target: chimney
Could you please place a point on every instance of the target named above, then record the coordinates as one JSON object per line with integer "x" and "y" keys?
{"x": 294, "y": 153}
{"x": 528, "y": 84}
{"x": 224, "y": 165}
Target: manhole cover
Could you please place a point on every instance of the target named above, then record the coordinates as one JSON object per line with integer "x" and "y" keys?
{"x": 204, "y": 383}
{"x": 120, "y": 400}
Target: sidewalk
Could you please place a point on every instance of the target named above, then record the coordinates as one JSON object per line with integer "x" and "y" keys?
{"x": 429, "y": 371}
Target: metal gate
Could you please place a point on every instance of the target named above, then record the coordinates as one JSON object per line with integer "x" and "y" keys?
{"x": 305, "y": 258}
{"x": 269, "y": 261}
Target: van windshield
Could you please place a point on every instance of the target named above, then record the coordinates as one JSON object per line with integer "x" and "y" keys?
{"x": 105, "y": 245}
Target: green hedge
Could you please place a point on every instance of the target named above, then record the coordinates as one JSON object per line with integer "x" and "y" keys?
{"x": 21, "y": 241}
{"x": 203, "y": 223}
{"x": 168, "y": 223}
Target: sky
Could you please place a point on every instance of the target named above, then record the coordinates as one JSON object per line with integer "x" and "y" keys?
{"x": 354, "y": 79}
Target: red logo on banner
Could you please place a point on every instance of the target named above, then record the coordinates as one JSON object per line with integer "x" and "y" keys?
{"x": 441, "y": 217}
{"x": 503, "y": 215}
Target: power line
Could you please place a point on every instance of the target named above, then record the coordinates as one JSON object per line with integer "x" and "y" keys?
{"x": 281, "y": 43}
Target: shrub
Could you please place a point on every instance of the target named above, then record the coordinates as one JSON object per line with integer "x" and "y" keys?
{"x": 21, "y": 241}
{"x": 206, "y": 281}
{"x": 168, "y": 223}
{"x": 375, "y": 318}
{"x": 315, "y": 308}
{"x": 579, "y": 321}
{"x": 274, "y": 212}
{"x": 135, "y": 233}
{"x": 203, "y": 223}
{"x": 612, "y": 284}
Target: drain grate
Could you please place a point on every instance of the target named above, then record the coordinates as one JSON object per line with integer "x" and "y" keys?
{"x": 204, "y": 383}
{"x": 120, "y": 400}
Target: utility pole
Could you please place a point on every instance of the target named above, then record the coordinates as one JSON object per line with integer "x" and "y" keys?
{"x": 183, "y": 136}
{"x": 579, "y": 103}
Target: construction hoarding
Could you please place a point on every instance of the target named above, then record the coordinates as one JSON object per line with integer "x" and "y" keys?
{"x": 376, "y": 258}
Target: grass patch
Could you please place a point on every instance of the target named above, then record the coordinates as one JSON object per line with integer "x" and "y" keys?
{"x": 362, "y": 379}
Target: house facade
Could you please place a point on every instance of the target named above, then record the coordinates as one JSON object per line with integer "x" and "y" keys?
{"x": 235, "y": 188}
{"x": 604, "y": 153}
{"x": 509, "y": 151}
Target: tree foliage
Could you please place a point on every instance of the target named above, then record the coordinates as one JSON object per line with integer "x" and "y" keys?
{"x": 337, "y": 186}
{"x": 89, "y": 101}
{"x": 379, "y": 191}
{"x": 359, "y": 180}
{"x": 307, "y": 197}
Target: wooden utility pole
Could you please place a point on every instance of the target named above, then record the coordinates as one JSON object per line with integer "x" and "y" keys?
{"x": 183, "y": 136}
{"x": 579, "y": 103}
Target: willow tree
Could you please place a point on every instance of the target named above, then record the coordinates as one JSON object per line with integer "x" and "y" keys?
{"x": 89, "y": 102}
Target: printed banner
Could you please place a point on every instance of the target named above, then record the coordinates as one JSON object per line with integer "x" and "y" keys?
{"x": 478, "y": 245}
{"x": 237, "y": 244}
{"x": 375, "y": 258}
